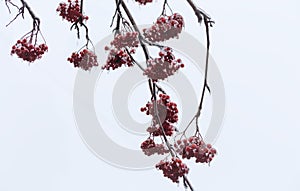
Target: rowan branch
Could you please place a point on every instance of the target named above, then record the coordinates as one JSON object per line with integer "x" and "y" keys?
{"x": 202, "y": 17}
{"x": 35, "y": 20}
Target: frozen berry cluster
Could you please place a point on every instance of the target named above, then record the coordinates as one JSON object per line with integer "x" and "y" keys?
{"x": 71, "y": 11}
{"x": 195, "y": 147}
{"x": 155, "y": 129}
{"x": 173, "y": 169}
{"x": 85, "y": 60}
{"x": 128, "y": 39}
{"x": 144, "y": 2}
{"x": 117, "y": 58}
{"x": 167, "y": 113}
{"x": 165, "y": 28}
{"x": 149, "y": 147}
{"x": 164, "y": 66}
{"x": 123, "y": 45}
{"x": 27, "y": 51}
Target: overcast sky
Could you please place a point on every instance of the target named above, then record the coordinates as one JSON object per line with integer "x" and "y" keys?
{"x": 256, "y": 47}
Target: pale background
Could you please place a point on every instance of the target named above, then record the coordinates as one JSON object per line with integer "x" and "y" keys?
{"x": 255, "y": 44}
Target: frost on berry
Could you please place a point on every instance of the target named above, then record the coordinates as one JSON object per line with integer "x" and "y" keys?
{"x": 144, "y": 2}
{"x": 173, "y": 169}
{"x": 128, "y": 39}
{"x": 71, "y": 11}
{"x": 85, "y": 59}
{"x": 149, "y": 148}
{"x": 27, "y": 51}
{"x": 117, "y": 58}
{"x": 120, "y": 49}
{"x": 164, "y": 66}
{"x": 165, "y": 28}
{"x": 197, "y": 148}
{"x": 167, "y": 113}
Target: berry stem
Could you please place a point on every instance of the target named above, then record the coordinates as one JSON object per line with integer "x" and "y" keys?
{"x": 164, "y": 7}
{"x": 81, "y": 7}
{"x": 80, "y": 21}
{"x": 14, "y": 5}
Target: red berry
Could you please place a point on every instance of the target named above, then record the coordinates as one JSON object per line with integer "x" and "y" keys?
{"x": 195, "y": 147}
{"x": 116, "y": 59}
{"x": 164, "y": 66}
{"x": 144, "y": 2}
{"x": 27, "y": 51}
{"x": 166, "y": 27}
{"x": 71, "y": 12}
{"x": 173, "y": 169}
{"x": 85, "y": 59}
{"x": 166, "y": 111}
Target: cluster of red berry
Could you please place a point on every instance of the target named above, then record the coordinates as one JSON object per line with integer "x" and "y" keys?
{"x": 129, "y": 39}
{"x": 119, "y": 55}
{"x": 164, "y": 66}
{"x": 144, "y": 2}
{"x": 155, "y": 129}
{"x": 85, "y": 60}
{"x": 117, "y": 58}
{"x": 173, "y": 169}
{"x": 27, "y": 51}
{"x": 71, "y": 12}
{"x": 149, "y": 147}
{"x": 167, "y": 113}
{"x": 195, "y": 147}
{"x": 165, "y": 28}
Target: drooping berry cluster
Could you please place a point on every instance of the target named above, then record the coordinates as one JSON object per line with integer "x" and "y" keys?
{"x": 128, "y": 39}
{"x": 117, "y": 58}
{"x": 173, "y": 169}
{"x": 155, "y": 129}
{"x": 27, "y": 51}
{"x": 149, "y": 147}
{"x": 85, "y": 60}
{"x": 164, "y": 66}
{"x": 123, "y": 45}
{"x": 144, "y": 2}
{"x": 167, "y": 113}
{"x": 71, "y": 11}
{"x": 195, "y": 147}
{"x": 165, "y": 28}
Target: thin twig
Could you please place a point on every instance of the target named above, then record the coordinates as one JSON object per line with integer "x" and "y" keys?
{"x": 80, "y": 22}
{"x": 36, "y": 21}
{"x": 202, "y": 16}
{"x": 164, "y": 7}
{"x": 6, "y": 3}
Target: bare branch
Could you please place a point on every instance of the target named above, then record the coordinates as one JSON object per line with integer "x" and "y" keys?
{"x": 35, "y": 20}
{"x": 79, "y": 23}
{"x": 202, "y": 16}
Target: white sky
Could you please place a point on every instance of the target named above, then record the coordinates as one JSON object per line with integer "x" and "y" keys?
{"x": 255, "y": 44}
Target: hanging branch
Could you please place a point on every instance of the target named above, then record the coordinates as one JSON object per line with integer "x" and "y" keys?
{"x": 141, "y": 40}
{"x": 35, "y": 20}
{"x": 152, "y": 87}
{"x": 21, "y": 9}
{"x": 202, "y": 16}
{"x": 26, "y": 47}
